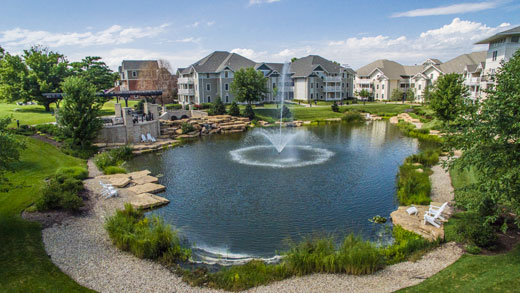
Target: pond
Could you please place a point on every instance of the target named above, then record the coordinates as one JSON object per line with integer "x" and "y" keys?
{"x": 234, "y": 197}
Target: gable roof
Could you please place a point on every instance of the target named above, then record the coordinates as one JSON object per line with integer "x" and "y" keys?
{"x": 304, "y": 67}
{"x": 218, "y": 61}
{"x": 457, "y": 64}
{"x": 495, "y": 37}
{"x": 138, "y": 64}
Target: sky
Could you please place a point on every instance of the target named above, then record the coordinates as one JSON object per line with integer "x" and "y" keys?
{"x": 351, "y": 32}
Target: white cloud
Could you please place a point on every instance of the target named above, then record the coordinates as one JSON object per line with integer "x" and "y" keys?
{"x": 195, "y": 24}
{"x": 189, "y": 40}
{"x": 210, "y": 23}
{"x": 250, "y": 53}
{"x": 115, "y": 34}
{"x": 256, "y": 2}
{"x": 450, "y": 9}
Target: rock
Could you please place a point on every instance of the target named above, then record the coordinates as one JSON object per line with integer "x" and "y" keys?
{"x": 119, "y": 182}
{"x": 147, "y": 188}
{"x": 415, "y": 223}
{"x": 147, "y": 201}
{"x": 137, "y": 174}
{"x": 145, "y": 179}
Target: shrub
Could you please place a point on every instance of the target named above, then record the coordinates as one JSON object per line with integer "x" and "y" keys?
{"x": 413, "y": 187}
{"x": 405, "y": 244}
{"x": 218, "y": 108}
{"x": 123, "y": 153}
{"x": 187, "y": 127}
{"x": 113, "y": 157}
{"x": 78, "y": 173}
{"x": 174, "y": 107}
{"x": 114, "y": 170}
{"x": 286, "y": 112}
{"x": 335, "y": 107}
{"x": 139, "y": 107}
{"x": 470, "y": 228}
{"x": 249, "y": 112}
{"x": 61, "y": 192}
{"x": 409, "y": 130}
{"x": 426, "y": 158}
{"x": 352, "y": 116}
{"x": 234, "y": 110}
{"x": 50, "y": 129}
{"x": 144, "y": 237}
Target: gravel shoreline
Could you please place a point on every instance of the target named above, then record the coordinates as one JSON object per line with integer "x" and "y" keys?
{"x": 80, "y": 247}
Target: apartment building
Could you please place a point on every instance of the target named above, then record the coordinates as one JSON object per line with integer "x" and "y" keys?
{"x": 308, "y": 78}
{"x": 135, "y": 73}
{"x": 502, "y": 46}
{"x": 381, "y": 77}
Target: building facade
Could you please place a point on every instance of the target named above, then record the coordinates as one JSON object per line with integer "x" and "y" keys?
{"x": 308, "y": 78}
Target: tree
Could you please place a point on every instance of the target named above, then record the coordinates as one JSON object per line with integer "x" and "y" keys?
{"x": 218, "y": 108}
{"x": 448, "y": 96}
{"x": 15, "y": 83}
{"x": 293, "y": 59}
{"x": 364, "y": 93}
{"x": 427, "y": 94}
{"x": 410, "y": 95}
{"x": 249, "y": 112}
{"x": 286, "y": 112}
{"x": 47, "y": 70}
{"x": 95, "y": 72}
{"x": 335, "y": 107}
{"x": 79, "y": 116}
{"x": 249, "y": 85}
{"x": 488, "y": 133}
{"x": 10, "y": 148}
{"x": 396, "y": 95}
{"x": 234, "y": 110}
{"x": 2, "y": 52}
{"x": 158, "y": 76}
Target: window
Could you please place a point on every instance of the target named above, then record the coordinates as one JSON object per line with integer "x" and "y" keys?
{"x": 382, "y": 96}
{"x": 209, "y": 99}
{"x": 207, "y": 75}
{"x": 377, "y": 86}
{"x": 377, "y": 96}
{"x": 311, "y": 96}
{"x": 431, "y": 76}
{"x": 274, "y": 85}
{"x": 317, "y": 86}
{"x": 514, "y": 39}
{"x": 208, "y": 87}
{"x": 227, "y": 99}
{"x": 225, "y": 74}
{"x": 226, "y": 86}
{"x": 312, "y": 85}
{"x": 419, "y": 87}
{"x": 383, "y": 86}
{"x": 134, "y": 73}
{"x": 495, "y": 54}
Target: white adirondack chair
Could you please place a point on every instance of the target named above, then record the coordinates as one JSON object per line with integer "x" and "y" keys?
{"x": 108, "y": 190}
{"x": 143, "y": 138}
{"x": 433, "y": 209}
{"x": 150, "y": 137}
{"x": 433, "y": 218}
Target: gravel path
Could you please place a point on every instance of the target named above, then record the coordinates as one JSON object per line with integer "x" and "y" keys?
{"x": 442, "y": 190}
{"x": 80, "y": 247}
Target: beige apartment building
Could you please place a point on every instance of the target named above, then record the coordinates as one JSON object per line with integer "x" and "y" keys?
{"x": 308, "y": 78}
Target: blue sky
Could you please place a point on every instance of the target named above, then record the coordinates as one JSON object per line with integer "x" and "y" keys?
{"x": 350, "y": 32}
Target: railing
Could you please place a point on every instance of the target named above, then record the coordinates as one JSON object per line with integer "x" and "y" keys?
{"x": 364, "y": 81}
{"x": 185, "y": 80}
{"x": 333, "y": 78}
{"x": 473, "y": 80}
{"x": 187, "y": 91}
{"x": 332, "y": 89}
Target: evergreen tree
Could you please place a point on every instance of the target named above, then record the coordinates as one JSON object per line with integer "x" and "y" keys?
{"x": 218, "y": 108}
{"x": 234, "y": 110}
{"x": 249, "y": 112}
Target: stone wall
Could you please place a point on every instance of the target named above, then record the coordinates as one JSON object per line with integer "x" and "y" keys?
{"x": 112, "y": 134}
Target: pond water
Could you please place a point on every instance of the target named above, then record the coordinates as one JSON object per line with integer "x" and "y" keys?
{"x": 233, "y": 197}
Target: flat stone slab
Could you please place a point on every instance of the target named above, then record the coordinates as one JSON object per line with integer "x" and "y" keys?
{"x": 138, "y": 174}
{"x": 147, "y": 201}
{"x": 415, "y": 223}
{"x": 119, "y": 182}
{"x": 145, "y": 179}
{"x": 147, "y": 188}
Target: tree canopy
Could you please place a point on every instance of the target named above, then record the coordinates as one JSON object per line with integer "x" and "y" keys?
{"x": 95, "y": 71}
{"x": 9, "y": 148}
{"x": 249, "y": 85}
{"x": 448, "y": 97}
{"x": 15, "y": 82}
{"x": 488, "y": 133}
{"x": 396, "y": 95}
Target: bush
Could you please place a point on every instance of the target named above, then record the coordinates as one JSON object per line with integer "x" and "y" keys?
{"x": 352, "y": 116}
{"x": 426, "y": 158}
{"x": 234, "y": 110}
{"x": 335, "y": 107}
{"x": 174, "y": 107}
{"x": 50, "y": 129}
{"x": 249, "y": 112}
{"x": 286, "y": 112}
{"x": 113, "y": 157}
{"x": 413, "y": 187}
{"x": 150, "y": 238}
{"x": 470, "y": 228}
{"x": 409, "y": 130}
{"x": 61, "y": 192}
{"x": 187, "y": 127}
{"x": 405, "y": 244}
{"x": 114, "y": 170}
{"x": 78, "y": 173}
{"x": 218, "y": 108}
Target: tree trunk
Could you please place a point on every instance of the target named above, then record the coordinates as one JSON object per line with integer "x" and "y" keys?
{"x": 47, "y": 107}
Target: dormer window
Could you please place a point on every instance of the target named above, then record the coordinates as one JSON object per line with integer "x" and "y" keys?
{"x": 134, "y": 73}
{"x": 207, "y": 75}
{"x": 226, "y": 74}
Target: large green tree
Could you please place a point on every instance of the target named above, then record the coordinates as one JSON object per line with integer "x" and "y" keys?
{"x": 396, "y": 95}
{"x": 9, "y": 148}
{"x": 47, "y": 70}
{"x": 95, "y": 71}
{"x": 410, "y": 95}
{"x": 488, "y": 133}
{"x": 249, "y": 85}
{"x": 79, "y": 116}
{"x": 15, "y": 82}
{"x": 449, "y": 96}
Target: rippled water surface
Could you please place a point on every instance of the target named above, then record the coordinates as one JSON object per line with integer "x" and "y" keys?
{"x": 230, "y": 209}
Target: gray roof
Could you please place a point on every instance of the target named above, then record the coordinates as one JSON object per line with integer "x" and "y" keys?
{"x": 513, "y": 31}
{"x": 394, "y": 70}
{"x": 218, "y": 61}
{"x": 138, "y": 64}
{"x": 304, "y": 67}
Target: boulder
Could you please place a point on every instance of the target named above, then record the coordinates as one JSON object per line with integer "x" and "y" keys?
{"x": 145, "y": 179}
{"x": 147, "y": 201}
{"x": 147, "y": 188}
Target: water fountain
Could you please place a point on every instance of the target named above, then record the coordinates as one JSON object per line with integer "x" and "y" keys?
{"x": 291, "y": 146}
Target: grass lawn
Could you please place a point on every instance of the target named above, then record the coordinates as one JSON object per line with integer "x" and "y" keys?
{"x": 476, "y": 273}
{"x": 24, "y": 264}
{"x": 35, "y": 114}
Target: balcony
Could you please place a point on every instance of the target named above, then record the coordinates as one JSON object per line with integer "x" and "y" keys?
{"x": 472, "y": 81}
{"x": 364, "y": 81}
{"x": 187, "y": 92}
{"x": 332, "y": 79}
{"x": 332, "y": 89}
{"x": 185, "y": 80}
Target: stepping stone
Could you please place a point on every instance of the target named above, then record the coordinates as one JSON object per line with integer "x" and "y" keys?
{"x": 110, "y": 177}
{"x": 147, "y": 188}
{"x": 147, "y": 201}
{"x": 145, "y": 179}
{"x": 137, "y": 174}
{"x": 119, "y": 181}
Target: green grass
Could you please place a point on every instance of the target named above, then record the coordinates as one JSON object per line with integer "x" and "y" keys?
{"x": 24, "y": 264}
{"x": 476, "y": 273}
{"x": 35, "y": 114}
